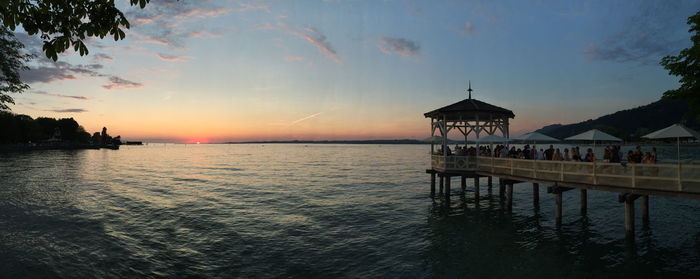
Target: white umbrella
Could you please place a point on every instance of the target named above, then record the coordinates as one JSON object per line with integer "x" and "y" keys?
{"x": 535, "y": 136}
{"x": 594, "y": 135}
{"x": 677, "y": 131}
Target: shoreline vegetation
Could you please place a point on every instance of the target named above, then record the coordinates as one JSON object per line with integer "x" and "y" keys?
{"x": 20, "y": 132}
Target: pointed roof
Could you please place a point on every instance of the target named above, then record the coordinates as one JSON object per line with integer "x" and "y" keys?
{"x": 674, "y": 131}
{"x": 594, "y": 135}
{"x": 468, "y": 107}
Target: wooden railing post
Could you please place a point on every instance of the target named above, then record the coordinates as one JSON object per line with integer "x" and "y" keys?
{"x": 561, "y": 171}
{"x": 595, "y": 180}
{"x": 511, "y": 166}
{"x": 634, "y": 175}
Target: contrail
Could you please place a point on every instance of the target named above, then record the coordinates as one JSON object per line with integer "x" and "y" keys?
{"x": 302, "y": 119}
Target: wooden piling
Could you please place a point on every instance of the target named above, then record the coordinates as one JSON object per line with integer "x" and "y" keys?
{"x": 629, "y": 218}
{"x": 645, "y": 210}
{"x": 509, "y": 190}
{"x": 489, "y": 181}
{"x": 557, "y": 207}
{"x": 583, "y": 197}
{"x": 536, "y": 194}
{"x": 476, "y": 187}
{"x": 464, "y": 183}
{"x": 432, "y": 184}
{"x": 442, "y": 183}
{"x": 447, "y": 186}
{"x": 501, "y": 188}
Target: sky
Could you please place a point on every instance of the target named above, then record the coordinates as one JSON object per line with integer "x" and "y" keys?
{"x": 215, "y": 71}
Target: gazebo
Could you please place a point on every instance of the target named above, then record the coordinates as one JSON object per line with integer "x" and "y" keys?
{"x": 467, "y": 116}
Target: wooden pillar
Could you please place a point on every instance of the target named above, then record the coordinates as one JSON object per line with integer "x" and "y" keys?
{"x": 490, "y": 181}
{"x": 536, "y": 194}
{"x": 432, "y": 184}
{"x": 447, "y": 187}
{"x": 442, "y": 183}
{"x": 557, "y": 207}
{"x": 509, "y": 190}
{"x": 584, "y": 200}
{"x": 501, "y": 188}
{"x": 645, "y": 210}
{"x": 629, "y": 218}
{"x": 464, "y": 183}
{"x": 476, "y": 187}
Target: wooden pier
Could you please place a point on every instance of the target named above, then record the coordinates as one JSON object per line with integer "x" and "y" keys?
{"x": 474, "y": 117}
{"x": 632, "y": 181}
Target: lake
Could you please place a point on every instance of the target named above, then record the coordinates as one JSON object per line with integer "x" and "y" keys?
{"x": 294, "y": 210}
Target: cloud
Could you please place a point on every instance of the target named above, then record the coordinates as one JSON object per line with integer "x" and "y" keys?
{"x": 248, "y": 7}
{"x": 74, "y": 110}
{"x": 468, "y": 29}
{"x": 49, "y": 71}
{"x": 203, "y": 34}
{"x": 120, "y": 83}
{"x": 83, "y": 98}
{"x": 161, "y": 21}
{"x": 399, "y": 46}
{"x": 319, "y": 40}
{"x": 646, "y": 36}
{"x": 102, "y": 57}
{"x": 173, "y": 58}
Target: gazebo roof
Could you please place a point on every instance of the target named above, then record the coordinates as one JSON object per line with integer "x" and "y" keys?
{"x": 468, "y": 108}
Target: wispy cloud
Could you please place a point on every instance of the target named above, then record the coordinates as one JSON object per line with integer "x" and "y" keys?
{"x": 293, "y": 58}
{"x": 644, "y": 38}
{"x": 102, "y": 57}
{"x": 83, "y": 98}
{"x": 401, "y": 46}
{"x": 161, "y": 21}
{"x": 120, "y": 83}
{"x": 173, "y": 58}
{"x": 304, "y": 119}
{"x": 256, "y": 6}
{"x": 73, "y": 110}
{"x": 319, "y": 40}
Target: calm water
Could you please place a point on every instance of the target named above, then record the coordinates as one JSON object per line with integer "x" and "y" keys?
{"x": 309, "y": 211}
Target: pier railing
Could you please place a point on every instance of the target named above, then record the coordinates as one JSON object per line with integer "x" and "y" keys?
{"x": 665, "y": 177}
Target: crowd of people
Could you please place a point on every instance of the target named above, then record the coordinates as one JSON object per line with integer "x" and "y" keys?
{"x": 611, "y": 154}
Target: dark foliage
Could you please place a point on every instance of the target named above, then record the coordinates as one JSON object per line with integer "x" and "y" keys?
{"x": 18, "y": 128}
{"x": 66, "y": 23}
{"x": 687, "y": 66}
{"x": 12, "y": 61}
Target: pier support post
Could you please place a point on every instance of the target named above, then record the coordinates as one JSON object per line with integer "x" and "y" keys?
{"x": 501, "y": 188}
{"x": 489, "y": 181}
{"x": 584, "y": 201}
{"x": 557, "y": 208}
{"x": 628, "y": 199}
{"x": 464, "y": 183}
{"x": 509, "y": 191}
{"x": 536, "y": 195}
{"x": 442, "y": 183}
{"x": 557, "y": 191}
{"x": 448, "y": 180}
{"x": 476, "y": 187}
{"x": 432, "y": 184}
{"x": 645, "y": 210}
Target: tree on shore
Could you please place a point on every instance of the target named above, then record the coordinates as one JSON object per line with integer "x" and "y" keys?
{"x": 687, "y": 66}
{"x": 66, "y": 23}
{"x": 12, "y": 61}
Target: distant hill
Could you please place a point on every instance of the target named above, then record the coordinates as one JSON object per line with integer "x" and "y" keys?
{"x": 628, "y": 124}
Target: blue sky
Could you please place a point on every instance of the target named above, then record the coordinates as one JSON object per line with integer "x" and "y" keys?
{"x": 242, "y": 70}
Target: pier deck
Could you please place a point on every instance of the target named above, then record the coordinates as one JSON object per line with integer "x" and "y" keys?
{"x": 630, "y": 180}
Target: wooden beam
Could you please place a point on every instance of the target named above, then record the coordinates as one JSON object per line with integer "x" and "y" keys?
{"x": 509, "y": 191}
{"x": 464, "y": 183}
{"x": 432, "y": 184}
{"x": 557, "y": 208}
{"x": 583, "y": 199}
{"x": 536, "y": 195}
{"x": 476, "y": 187}
{"x": 645, "y": 210}
{"x": 442, "y": 183}
{"x": 629, "y": 218}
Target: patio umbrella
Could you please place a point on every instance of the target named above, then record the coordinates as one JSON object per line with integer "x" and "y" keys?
{"x": 677, "y": 131}
{"x": 433, "y": 139}
{"x": 492, "y": 139}
{"x": 594, "y": 135}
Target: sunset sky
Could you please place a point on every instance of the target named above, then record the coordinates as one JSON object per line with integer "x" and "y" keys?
{"x": 215, "y": 71}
